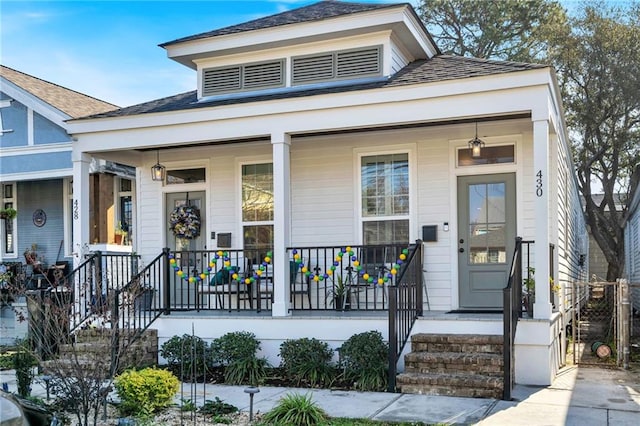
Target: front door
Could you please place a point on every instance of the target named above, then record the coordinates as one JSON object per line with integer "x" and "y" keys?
{"x": 486, "y": 238}
{"x": 182, "y": 294}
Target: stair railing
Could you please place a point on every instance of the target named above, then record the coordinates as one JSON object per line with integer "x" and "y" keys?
{"x": 139, "y": 303}
{"x": 512, "y": 311}
{"x": 405, "y": 306}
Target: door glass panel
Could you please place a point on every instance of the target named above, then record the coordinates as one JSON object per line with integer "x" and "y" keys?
{"x": 496, "y": 202}
{"x": 487, "y": 223}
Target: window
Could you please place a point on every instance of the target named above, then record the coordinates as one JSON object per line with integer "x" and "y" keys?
{"x": 175, "y": 177}
{"x": 257, "y": 210}
{"x": 385, "y": 198}
{"x": 8, "y": 226}
{"x": 489, "y": 155}
{"x": 4, "y": 103}
{"x": 243, "y": 77}
{"x": 125, "y": 209}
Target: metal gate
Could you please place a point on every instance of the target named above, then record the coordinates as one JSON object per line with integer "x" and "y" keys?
{"x": 601, "y": 325}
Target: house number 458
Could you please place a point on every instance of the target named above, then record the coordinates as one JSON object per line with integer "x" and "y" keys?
{"x": 539, "y": 183}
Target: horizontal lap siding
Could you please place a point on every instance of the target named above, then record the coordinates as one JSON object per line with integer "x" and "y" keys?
{"x": 434, "y": 201}
{"x": 322, "y": 192}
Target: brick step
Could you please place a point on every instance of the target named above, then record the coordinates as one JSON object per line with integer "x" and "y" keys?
{"x": 454, "y": 362}
{"x": 468, "y": 385}
{"x": 82, "y": 366}
{"x": 85, "y": 348}
{"x": 465, "y": 343}
{"x": 92, "y": 335}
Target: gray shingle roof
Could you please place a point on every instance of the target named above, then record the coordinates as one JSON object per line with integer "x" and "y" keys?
{"x": 70, "y": 102}
{"x": 438, "y": 68}
{"x": 314, "y": 12}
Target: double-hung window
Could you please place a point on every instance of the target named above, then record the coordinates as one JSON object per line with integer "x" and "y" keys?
{"x": 257, "y": 210}
{"x": 385, "y": 198}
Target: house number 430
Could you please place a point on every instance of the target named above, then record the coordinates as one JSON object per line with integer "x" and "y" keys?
{"x": 539, "y": 183}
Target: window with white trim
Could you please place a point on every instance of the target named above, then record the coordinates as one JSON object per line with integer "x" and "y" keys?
{"x": 4, "y": 103}
{"x": 8, "y": 226}
{"x": 125, "y": 209}
{"x": 385, "y": 198}
{"x": 257, "y": 209}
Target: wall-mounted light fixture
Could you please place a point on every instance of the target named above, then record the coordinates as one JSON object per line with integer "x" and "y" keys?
{"x": 476, "y": 145}
{"x": 157, "y": 171}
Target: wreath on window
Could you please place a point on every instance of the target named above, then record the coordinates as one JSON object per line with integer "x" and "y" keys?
{"x": 184, "y": 222}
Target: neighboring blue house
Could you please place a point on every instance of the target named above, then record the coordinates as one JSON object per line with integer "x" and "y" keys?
{"x": 36, "y": 169}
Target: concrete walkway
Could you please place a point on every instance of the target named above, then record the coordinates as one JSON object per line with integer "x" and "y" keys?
{"x": 578, "y": 396}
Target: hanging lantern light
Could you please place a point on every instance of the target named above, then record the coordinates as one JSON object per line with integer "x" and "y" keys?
{"x": 158, "y": 170}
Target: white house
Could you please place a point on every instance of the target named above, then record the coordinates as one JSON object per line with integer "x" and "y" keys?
{"x": 341, "y": 127}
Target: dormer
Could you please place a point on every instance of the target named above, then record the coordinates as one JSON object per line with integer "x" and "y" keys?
{"x": 324, "y": 44}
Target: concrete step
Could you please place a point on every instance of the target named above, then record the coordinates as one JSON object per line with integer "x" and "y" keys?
{"x": 465, "y": 343}
{"x": 469, "y": 385}
{"x": 454, "y": 362}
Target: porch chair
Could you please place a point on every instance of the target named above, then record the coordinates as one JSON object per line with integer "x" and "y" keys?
{"x": 223, "y": 286}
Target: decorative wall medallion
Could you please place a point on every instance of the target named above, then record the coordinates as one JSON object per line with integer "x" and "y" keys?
{"x": 39, "y": 218}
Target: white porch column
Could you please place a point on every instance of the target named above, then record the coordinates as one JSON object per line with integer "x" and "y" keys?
{"x": 542, "y": 306}
{"x": 80, "y": 209}
{"x": 281, "y": 143}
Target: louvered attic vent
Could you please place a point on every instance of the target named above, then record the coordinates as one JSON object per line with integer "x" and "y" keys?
{"x": 263, "y": 75}
{"x": 337, "y": 65}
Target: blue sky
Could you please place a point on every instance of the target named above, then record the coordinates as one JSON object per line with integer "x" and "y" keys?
{"x": 109, "y": 49}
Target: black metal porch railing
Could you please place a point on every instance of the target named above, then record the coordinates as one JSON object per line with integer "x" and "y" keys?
{"x": 229, "y": 279}
{"x": 405, "y": 306}
{"x": 344, "y": 278}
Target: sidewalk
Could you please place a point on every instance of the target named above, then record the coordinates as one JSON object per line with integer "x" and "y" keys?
{"x": 578, "y": 396}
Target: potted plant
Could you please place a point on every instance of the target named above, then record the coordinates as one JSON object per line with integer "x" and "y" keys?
{"x": 142, "y": 295}
{"x": 119, "y": 234}
{"x": 8, "y": 213}
{"x": 529, "y": 295}
{"x": 341, "y": 294}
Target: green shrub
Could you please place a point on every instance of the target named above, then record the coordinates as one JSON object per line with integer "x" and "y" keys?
{"x": 187, "y": 356}
{"x": 23, "y": 363}
{"x": 6, "y": 360}
{"x": 146, "y": 391}
{"x": 307, "y": 360}
{"x": 217, "y": 408}
{"x": 246, "y": 371}
{"x": 295, "y": 410}
{"x": 235, "y": 345}
{"x": 237, "y": 352}
{"x": 364, "y": 358}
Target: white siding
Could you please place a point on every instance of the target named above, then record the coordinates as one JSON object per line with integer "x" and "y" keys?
{"x": 398, "y": 57}
{"x": 632, "y": 249}
{"x": 572, "y": 243}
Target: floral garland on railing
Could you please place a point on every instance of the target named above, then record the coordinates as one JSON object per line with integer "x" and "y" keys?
{"x": 184, "y": 222}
